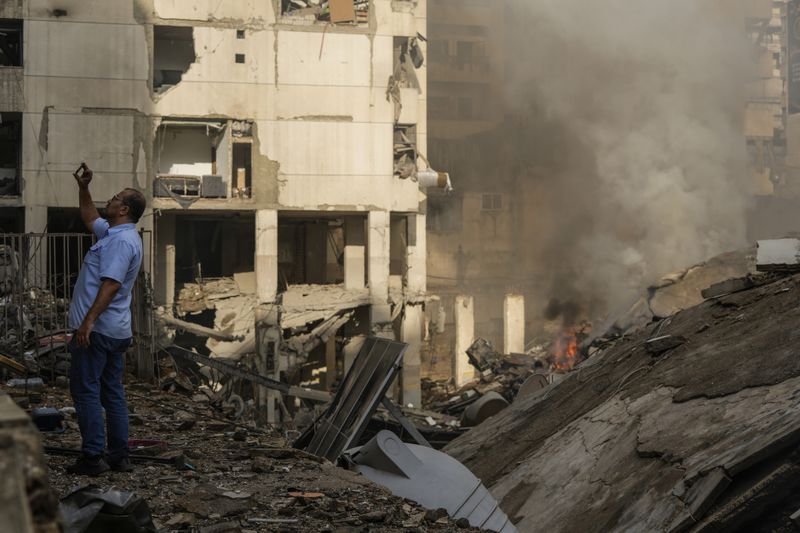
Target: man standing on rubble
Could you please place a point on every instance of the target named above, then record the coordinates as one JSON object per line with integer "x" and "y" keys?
{"x": 100, "y": 316}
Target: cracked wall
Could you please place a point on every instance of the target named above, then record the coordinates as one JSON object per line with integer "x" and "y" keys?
{"x": 316, "y": 98}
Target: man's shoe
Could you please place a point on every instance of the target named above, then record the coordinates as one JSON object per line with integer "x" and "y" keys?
{"x": 123, "y": 465}
{"x": 87, "y": 465}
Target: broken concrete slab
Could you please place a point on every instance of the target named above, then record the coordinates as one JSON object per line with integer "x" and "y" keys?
{"x": 301, "y": 298}
{"x": 704, "y": 491}
{"x": 196, "y": 328}
{"x": 625, "y": 431}
{"x": 728, "y": 286}
{"x": 681, "y": 290}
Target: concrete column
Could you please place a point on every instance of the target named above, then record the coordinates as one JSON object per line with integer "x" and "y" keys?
{"x": 266, "y": 255}
{"x": 463, "y": 372}
{"x": 514, "y": 324}
{"x": 417, "y": 273}
{"x": 35, "y": 218}
{"x": 378, "y": 266}
{"x": 411, "y": 332}
{"x": 268, "y": 336}
{"x": 354, "y": 253}
{"x": 170, "y": 254}
{"x": 164, "y": 278}
{"x": 36, "y": 222}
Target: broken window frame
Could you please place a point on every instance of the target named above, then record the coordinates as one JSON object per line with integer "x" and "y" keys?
{"x": 11, "y": 49}
{"x": 321, "y": 12}
{"x": 492, "y": 202}
{"x": 243, "y": 189}
{"x": 293, "y": 235}
{"x": 9, "y": 185}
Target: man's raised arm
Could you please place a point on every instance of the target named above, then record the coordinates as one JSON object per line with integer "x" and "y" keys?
{"x": 88, "y": 211}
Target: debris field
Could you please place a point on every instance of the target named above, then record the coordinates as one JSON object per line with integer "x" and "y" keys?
{"x": 235, "y": 478}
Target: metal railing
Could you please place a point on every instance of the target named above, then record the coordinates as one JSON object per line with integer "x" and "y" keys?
{"x": 38, "y": 272}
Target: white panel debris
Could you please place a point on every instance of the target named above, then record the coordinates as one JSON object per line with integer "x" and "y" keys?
{"x": 778, "y": 254}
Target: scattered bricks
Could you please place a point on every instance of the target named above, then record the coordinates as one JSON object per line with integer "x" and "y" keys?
{"x": 658, "y": 345}
{"x": 62, "y": 382}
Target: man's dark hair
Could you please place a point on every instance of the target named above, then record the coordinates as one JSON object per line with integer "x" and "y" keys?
{"x": 136, "y": 203}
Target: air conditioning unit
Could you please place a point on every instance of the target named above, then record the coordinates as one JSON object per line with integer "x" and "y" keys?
{"x": 213, "y": 187}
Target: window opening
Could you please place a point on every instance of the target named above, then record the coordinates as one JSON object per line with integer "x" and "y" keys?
{"x": 173, "y": 54}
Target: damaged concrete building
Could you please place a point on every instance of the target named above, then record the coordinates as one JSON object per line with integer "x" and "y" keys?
{"x": 480, "y": 240}
{"x": 469, "y": 250}
{"x": 278, "y": 146}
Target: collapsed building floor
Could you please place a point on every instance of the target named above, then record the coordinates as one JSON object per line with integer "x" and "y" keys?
{"x": 324, "y": 306}
{"x": 687, "y": 424}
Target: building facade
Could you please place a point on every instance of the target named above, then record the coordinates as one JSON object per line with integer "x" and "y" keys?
{"x": 277, "y": 145}
{"x": 470, "y": 246}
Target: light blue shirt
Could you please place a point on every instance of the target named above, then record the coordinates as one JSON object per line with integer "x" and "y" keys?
{"x": 116, "y": 255}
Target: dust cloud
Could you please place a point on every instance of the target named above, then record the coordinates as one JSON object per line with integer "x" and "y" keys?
{"x": 628, "y": 120}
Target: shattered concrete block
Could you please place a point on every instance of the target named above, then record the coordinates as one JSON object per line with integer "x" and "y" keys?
{"x": 659, "y": 345}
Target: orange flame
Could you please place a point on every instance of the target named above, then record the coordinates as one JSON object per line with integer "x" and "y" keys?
{"x": 565, "y": 350}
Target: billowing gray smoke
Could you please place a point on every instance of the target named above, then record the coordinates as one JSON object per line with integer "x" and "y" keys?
{"x": 635, "y": 110}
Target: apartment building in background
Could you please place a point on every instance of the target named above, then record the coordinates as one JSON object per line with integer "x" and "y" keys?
{"x": 470, "y": 248}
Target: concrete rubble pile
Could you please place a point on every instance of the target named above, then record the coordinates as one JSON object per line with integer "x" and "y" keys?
{"x": 689, "y": 423}
{"x": 501, "y": 378}
{"x": 197, "y": 470}
{"x": 336, "y": 11}
{"x": 32, "y": 331}
{"x": 680, "y": 290}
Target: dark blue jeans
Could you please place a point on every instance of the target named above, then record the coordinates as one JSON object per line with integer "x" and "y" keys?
{"x": 95, "y": 381}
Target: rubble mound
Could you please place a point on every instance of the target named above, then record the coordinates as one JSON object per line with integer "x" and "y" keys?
{"x": 702, "y": 436}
